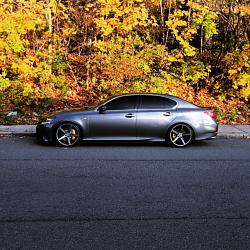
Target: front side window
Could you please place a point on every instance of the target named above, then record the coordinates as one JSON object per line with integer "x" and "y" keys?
{"x": 156, "y": 102}
{"x": 122, "y": 103}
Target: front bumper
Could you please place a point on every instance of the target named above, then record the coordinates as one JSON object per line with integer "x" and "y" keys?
{"x": 44, "y": 132}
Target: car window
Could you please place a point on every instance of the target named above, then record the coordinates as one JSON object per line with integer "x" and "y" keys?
{"x": 122, "y": 103}
{"x": 156, "y": 102}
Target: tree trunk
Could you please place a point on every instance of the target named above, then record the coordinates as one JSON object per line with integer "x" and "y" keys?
{"x": 50, "y": 27}
{"x": 162, "y": 6}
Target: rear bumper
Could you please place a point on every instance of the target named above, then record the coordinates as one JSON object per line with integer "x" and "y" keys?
{"x": 208, "y": 132}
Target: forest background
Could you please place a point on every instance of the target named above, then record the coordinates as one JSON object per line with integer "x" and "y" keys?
{"x": 56, "y": 54}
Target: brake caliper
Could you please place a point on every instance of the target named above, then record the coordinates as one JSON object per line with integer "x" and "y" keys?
{"x": 173, "y": 136}
{"x": 73, "y": 134}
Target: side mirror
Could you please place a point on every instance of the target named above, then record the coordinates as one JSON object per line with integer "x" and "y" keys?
{"x": 102, "y": 109}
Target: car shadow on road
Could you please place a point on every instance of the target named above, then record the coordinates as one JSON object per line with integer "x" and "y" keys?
{"x": 124, "y": 144}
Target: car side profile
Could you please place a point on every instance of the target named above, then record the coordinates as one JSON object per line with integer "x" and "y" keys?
{"x": 132, "y": 117}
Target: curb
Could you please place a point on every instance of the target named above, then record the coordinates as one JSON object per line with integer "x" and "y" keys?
{"x": 234, "y": 131}
{"x": 224, "y": 132}
{"x": 18, "y": 130}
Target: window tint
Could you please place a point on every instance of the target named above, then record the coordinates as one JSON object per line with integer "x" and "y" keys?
{"x": 156, "y": 102}
{"x": 122, "y": 103}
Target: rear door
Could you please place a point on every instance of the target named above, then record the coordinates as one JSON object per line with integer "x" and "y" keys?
{"x": 154, "y": 115}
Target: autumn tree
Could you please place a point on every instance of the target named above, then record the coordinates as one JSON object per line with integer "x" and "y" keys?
{"x": 88, "y": 50}
{"x": 31, "y": 59}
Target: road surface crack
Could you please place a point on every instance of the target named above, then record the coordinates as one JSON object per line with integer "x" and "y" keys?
{"x": 88, "y": 219}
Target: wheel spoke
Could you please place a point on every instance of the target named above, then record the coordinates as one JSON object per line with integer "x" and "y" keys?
{"x": 69, "y": 142}
{"x": 176, "y": 139}
{"x": 61, "y": 138}
{"x": 175, "y": 132}
{"x": 62, "y": 130}
{"x": 183, "y": 142}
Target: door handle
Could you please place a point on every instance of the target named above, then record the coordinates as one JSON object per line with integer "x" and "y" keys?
{"x": 167, "y": 114}
{"x": 129, "y": 115}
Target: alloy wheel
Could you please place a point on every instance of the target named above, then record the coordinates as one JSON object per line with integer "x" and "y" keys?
{"x": 180, "y": 135}
{"x": 67, "y": 134}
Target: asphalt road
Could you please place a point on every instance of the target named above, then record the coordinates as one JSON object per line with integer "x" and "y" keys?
{"x": 110, "y": 196}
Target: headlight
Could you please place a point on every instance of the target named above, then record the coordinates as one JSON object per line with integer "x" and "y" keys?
{"x": 47, "y": 121}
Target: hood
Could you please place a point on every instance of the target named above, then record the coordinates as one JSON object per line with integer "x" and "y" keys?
{"x": 69, "y": 112}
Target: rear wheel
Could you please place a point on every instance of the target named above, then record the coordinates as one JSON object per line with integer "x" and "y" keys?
{"x": 67, "y": 134}
{"x": 180, "y": 135}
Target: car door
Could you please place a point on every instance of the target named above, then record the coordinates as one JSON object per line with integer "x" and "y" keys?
{"x": 154, "y": 115}
{"x": 117, "y": 122}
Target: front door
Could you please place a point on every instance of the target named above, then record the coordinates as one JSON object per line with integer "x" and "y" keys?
{"x": 117, "y": 122}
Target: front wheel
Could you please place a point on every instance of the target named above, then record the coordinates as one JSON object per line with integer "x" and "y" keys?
{"x": 180, "y": 135}
{"x": 67, "y": 135}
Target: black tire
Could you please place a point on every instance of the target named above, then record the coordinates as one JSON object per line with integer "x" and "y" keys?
{"x": 180, "y": 135}
{"x": 67, "y": 134}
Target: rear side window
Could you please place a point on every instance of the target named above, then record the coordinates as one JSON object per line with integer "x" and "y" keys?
{"x": 122, "y": 103}
{"x": 156, "y": 102}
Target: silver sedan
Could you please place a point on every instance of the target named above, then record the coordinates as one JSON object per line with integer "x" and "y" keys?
{"x": 132, "y": 117}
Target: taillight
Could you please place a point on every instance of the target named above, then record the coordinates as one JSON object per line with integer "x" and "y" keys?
{"x": 211, "y": 113}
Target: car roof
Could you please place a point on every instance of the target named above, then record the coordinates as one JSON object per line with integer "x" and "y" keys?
{"x": 181, "y": 103}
